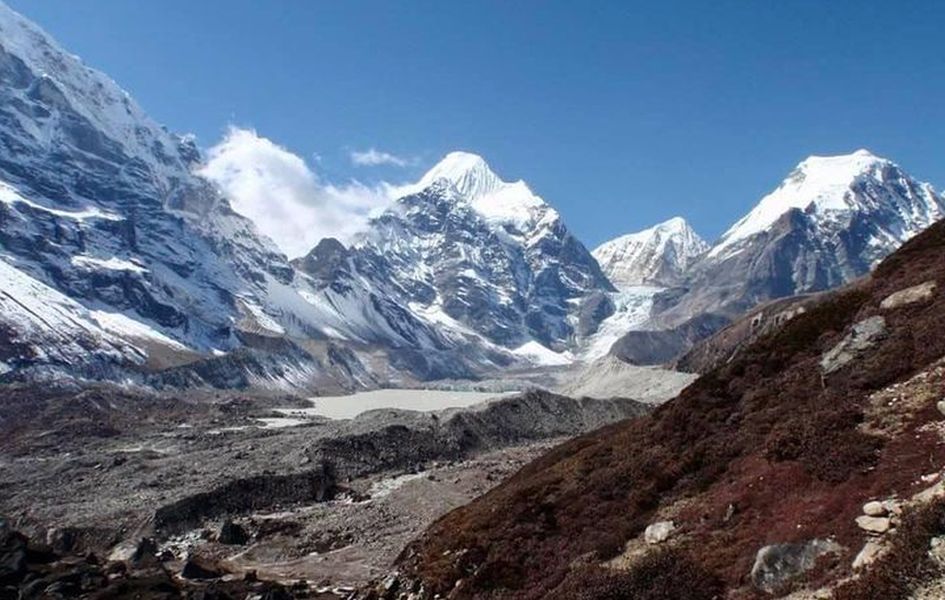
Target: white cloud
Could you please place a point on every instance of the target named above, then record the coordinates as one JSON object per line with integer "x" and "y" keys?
{"x": 284, "y": 197}
{"x": 373, "y": 157}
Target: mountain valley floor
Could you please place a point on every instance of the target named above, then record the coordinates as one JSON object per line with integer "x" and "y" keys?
{"x": 328, "y": 503}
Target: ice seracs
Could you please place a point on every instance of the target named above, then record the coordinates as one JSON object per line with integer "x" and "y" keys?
{"x": 660, "y": 255}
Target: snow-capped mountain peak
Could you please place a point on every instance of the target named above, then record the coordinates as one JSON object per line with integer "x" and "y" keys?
{"x": 469, "y": 173}
{"x": 830, "y": 221}
{"x": 499, "y": 202}
{"x": 819, "y": 184}
{"x": 659, "y": 255}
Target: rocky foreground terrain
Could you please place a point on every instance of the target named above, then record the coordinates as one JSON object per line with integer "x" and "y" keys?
{"x": 110, "y": 492}
{"x": 807, "y": 464}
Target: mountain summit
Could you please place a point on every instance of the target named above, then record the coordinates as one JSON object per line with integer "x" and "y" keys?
{"x": 476, "y": 253}
{"x": 830, "y": 221}
{"x": 660, "y": 255}
{"x": 833, "y": 188}
{"x": 467, "y": 172}
{"x": 500, "y": 202}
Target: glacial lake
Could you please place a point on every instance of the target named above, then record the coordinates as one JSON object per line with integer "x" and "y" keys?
{"x": 350, "y": 406}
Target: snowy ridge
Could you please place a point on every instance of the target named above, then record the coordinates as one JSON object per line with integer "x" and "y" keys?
{"x": 43, "y": 325}
{"x": 95, "y": 96}
{"x": 660, "y": 255}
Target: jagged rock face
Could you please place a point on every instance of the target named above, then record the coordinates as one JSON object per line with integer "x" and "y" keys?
{"x": 98, "y": 203}
{"x": 469, "y": 250}
{"x": 831, "y": 221}
{"x": 325, "y": 262}
{"x": 660, "y": 255}
{"x": 112, "y": 246}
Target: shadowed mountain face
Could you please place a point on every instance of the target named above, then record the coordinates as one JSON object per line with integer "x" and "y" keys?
{"x": 98, "y": 204}
{"x": 831, "y": 221}
{"x": 773, "y": 454}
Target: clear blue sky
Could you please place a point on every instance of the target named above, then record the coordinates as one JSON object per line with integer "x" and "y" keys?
{"x": 618, "y": 113}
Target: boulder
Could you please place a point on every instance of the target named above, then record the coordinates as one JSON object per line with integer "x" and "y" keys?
{"x": 201, "y": 568}
{"x": 12, "y": 556}
{"x": 933, "y": 492}
{"x": 123, "y": 552}
{"x": 659, "y": 532}
{"x": 232, "y": 534}
{"x": 146, "y": 553}
{"x": 62, "y": 539}
{"x": 870, "y": 552}
{"x": 910, "y": 295}
{"x": 777, "y": 564}
{"x": 874, "y": 509}
{"x": 873, "y": 524}
{"x": 864, "y": 335}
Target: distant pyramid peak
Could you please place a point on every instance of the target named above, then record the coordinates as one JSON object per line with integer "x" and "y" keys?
{"x": 469, "y": 173}
{"x": 497, "y": 201}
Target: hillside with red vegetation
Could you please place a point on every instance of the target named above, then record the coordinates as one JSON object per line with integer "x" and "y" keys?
{"x": 770, "y": 448}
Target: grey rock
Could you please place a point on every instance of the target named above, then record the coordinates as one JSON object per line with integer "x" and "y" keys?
{"x": 874, "y": 509}
{"x": 123, "y": 552}
{"x": 868, "y": 554}
{"x": 873, "y": 524}
{"x": 777, "y": 564}
{"x": 655, "y": 347}
{"x": 864, "y": 335}
{"x": 911, "y": 295}
{"x": 659, "y": 532}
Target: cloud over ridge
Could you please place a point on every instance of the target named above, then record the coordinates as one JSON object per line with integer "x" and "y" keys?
{"x": 284, "y": 196}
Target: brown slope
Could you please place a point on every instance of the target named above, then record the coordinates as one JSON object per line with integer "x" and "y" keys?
{"x": 722, "y": 346}
{"x": 794, "y": 453}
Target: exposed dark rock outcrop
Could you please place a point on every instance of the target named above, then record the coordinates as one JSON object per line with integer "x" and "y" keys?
{"x": 243, "y": 495}
{"x": 31, "y": 571}
{"x": 655, "y": 347}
